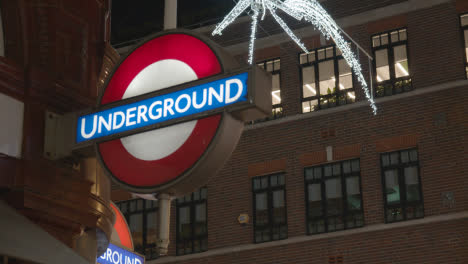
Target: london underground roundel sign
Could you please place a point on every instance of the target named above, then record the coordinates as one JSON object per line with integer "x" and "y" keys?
{"x": 171, "y": 113}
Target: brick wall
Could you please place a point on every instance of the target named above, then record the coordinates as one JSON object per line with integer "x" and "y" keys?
{"x": 435, "y": 123}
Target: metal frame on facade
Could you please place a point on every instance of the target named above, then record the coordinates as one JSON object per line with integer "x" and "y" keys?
{"x": 403, "y": 204}
{"x": 346, "y": 212}
{"x": 192, "y": 203}
{"x": 406, "y": 82}
{"x": 147, "y": 249}
{"x": 269, "y": 192}
{"x": 337, "y": 94}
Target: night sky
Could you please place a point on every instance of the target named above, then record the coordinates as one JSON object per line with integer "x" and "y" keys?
{"x": 138, "y": 18}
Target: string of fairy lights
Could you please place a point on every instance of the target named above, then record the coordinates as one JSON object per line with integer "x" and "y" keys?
{"x": 310, "y": 11}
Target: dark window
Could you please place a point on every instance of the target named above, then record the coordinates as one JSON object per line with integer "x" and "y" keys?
{"x": 334, "y": 200}
{"x": 192, "y": 231}
{"x": 274, "y": 67}
{"x": 464, "y": 24}
{"x": 269, "y": 197}
{"x": 322, "y": 71}
{"x": 141, "y": 216}
{"x": 401, "y": 186}
{"x": 391, "y": 66}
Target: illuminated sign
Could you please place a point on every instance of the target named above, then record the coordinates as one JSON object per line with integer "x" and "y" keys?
{"x": 171, "y": 113}
{"x": 117, "y": 255}
{"x": 186, "y": 102}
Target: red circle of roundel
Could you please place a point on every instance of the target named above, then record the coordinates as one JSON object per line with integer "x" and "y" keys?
{"x": 140, "y": 173}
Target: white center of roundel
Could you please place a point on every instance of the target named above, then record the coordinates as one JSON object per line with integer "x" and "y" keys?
{"x": 159, "y": 143}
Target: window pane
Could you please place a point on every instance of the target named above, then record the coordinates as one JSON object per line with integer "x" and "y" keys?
{"x": 327, "y": 77}
{"x": 200, "y": 219}
{"x": 311, "y": 56}
{"x": 401, "y": 61}
{"x": 314, "y": 194}
{"x": 394, "y": 158}
{"x": 412, "y": 184}
{"x": 402, "y": 34}
{"x": 151, "y": 226}
{"x": 346, "y": 167}
{"x": 279, "y": 212}
{"x": 275, "y": 90}
{"x": 392, "y": 186}
{"x": 355, "y": 166}
{"x": 203, "y": 193}
{"x": 394, "y": 36}
{"x": 384, "y": 39}
{"x": 309, "y": 106}
{"x": 376, "y": 41}
{"x": 383, "y": 70}
{"x": 303, "y": 58}
{"x": 353, "y": 193}
{"x": 308, "y": 76}
{"x": 261, "y": 209}
{"x": 277, "y": 65}
{"x": 328, "y": 170}
{"x": 136, "y": 228}
{"x": 316, "y": 226}
{"x": 346, "y": 78}
{"x": 385, "y": 160}
{"x": 185, "y": 227}
{"x": 413, "y": 155}
{"x": 333, "y": 194}
{"x": 464, "y": 20}
{"x": 321, "y": 54}
{"x": 269, "y": 66}
{"x": 466, "y": 43}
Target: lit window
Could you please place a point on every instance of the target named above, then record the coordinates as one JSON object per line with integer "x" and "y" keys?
{"x": 464, "y": 24}
{"x": 274, "y": 66}
{"x": 2, "y": 40}
{"x": 401, "y": 185}
{"x": 391, "y": 69}
{"x": 334, "y": 200}
{"x": 141, "y": 216}
{"x": 269, "y": 208}
{"x": 192, "y": 232}
{"x": 323, "y": 70}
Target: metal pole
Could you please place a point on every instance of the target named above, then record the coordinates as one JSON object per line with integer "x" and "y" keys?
{"x": 170, "y": 14}
{"x": 164, "y": 220}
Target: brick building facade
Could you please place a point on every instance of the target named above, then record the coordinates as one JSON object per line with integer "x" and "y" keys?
{"x": 427, "y": 222}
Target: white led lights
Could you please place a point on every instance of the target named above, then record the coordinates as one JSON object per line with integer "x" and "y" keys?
{"x": 309, "y": 10}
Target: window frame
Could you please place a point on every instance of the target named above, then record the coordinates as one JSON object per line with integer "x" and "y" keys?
{"x": 335, "y": 58}
{"x": 144, "y": 212}
{"x": 401, "y": 182}
{"x": 391, "y": 63}
{"x": 464, "y": 40}
{"x": 192, "y": 205}
{"x": 276, "y": 109}
{"x": 345, "y": 211}
{"x": 269, "y": 191}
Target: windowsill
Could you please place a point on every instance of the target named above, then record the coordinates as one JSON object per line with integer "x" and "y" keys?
{"x": 307, "y": 238}
{"x": 359, "y": 104}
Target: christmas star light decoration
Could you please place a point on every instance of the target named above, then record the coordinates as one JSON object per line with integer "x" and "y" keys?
{"x": 308, "y": 10}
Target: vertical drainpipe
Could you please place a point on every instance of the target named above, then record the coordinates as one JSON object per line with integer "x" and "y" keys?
{"x": 164, "y": 200}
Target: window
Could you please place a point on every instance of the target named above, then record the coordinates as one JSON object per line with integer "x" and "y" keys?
{"x": 401, "y": 185}
{"x": 464, "y": 24}
{"x": 323, "y": 70}
{"x": 333, "y": 200}
{"x": 2, "y": 41}
{"x": 391, "y": 65}
{"x": 274, "y": 66}
{"x": 141, "y": 216}
{"x": 192, "y": 231}
{"x": 269, "y": 208}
